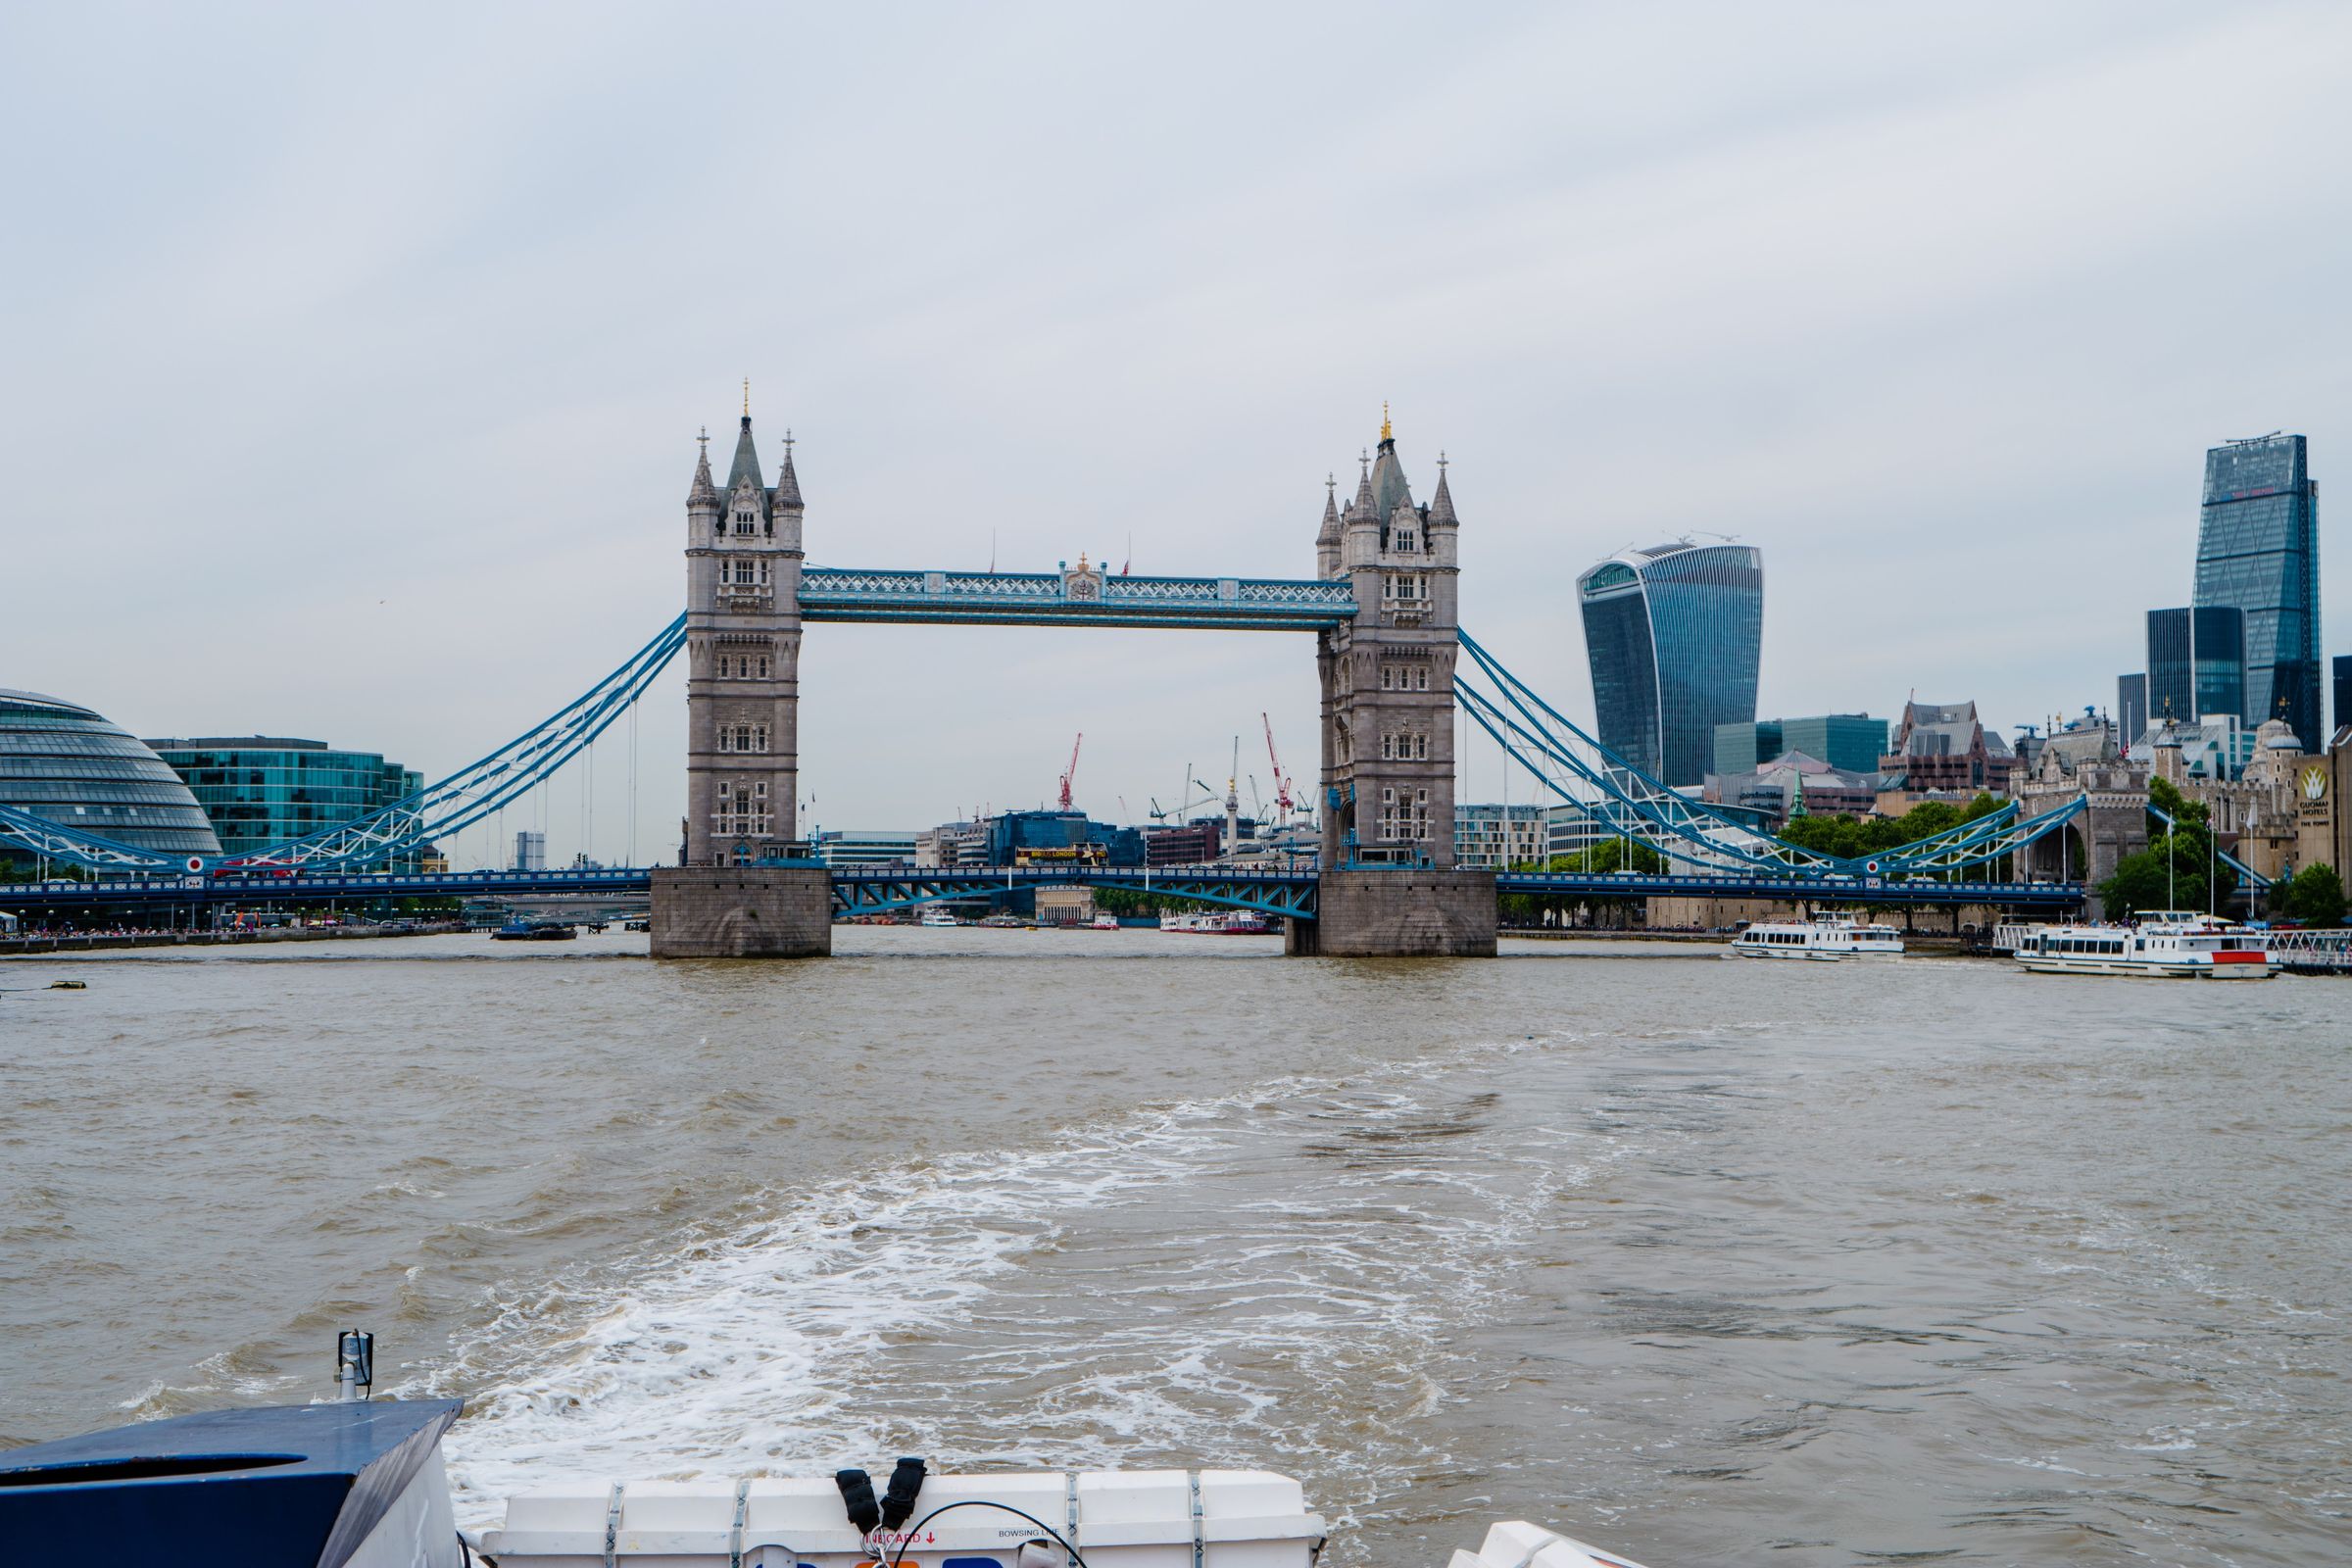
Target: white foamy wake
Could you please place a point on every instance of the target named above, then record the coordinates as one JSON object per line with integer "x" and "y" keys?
{"x": 1271, "y": 1278}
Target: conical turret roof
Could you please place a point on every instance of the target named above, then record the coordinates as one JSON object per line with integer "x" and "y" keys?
{"x": 747, "y": 459}
{"x": 1389, "y": 488}
{"x": 1329, "y": 532}
{"x": 1363, "y": 506}
{"x": 1441, "y": 505}
{"x": 702, "y": 489}
{"x": 788, "y": 484}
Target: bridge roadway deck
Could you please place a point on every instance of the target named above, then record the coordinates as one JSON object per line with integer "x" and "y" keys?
{"x": 875, "y": 889}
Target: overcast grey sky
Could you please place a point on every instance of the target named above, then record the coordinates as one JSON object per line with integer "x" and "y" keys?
{"x": 352, "y": 361}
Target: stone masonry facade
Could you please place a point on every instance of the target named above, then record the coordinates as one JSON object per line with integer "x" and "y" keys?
{"x": 743, "y": 652}
{"x": 1388, "y": 675}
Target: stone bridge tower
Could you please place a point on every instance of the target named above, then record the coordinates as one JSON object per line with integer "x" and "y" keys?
{"x": 1389, "y": 884}
{"x": 728, "y": 897}
{"x": 743, "y": 650}
{"x": 1388, "y": 674}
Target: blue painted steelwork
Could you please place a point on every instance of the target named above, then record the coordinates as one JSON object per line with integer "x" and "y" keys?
{"x": 1074, "y": 599}
{"x": 1626, "y": 802}
{"x": 1836, "y": 890}
{"x": 437, "y": 810}
{"x": 870, "y": 890}
{"x": 2253, "y": 878}
{"x": 312, "y": 887}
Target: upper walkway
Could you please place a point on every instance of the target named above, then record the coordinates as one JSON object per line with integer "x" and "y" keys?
{"x": 1089, "y": 598}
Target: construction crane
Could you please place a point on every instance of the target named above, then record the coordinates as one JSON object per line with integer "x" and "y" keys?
{"x": 1282, "y": 780}
{"x": 1072, "y": 771}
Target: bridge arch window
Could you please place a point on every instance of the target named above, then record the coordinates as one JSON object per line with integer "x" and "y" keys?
{"x": 763, "y": 667}
{"x": 1405, "y": 540}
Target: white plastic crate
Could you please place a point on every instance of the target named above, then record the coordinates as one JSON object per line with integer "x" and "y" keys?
{"x": 1115, "y": 1518}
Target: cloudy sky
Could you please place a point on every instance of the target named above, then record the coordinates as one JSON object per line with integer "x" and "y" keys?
{"x": 351, "y": 362}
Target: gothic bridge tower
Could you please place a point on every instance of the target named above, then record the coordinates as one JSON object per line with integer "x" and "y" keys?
{"x": 1388, "y": 675}
{"x": 1388, "y": 886}
{"x": 743, "y": 649}
{"x": 729, "y": 897}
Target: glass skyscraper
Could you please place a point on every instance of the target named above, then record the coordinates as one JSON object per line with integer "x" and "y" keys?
{"x": 2258, "y": 551}
{"x": 2196, "y": 664}
{"x": 2132, "y": 707}
{"x": 261, "y": 791}
{"x": 1673, "y": 634}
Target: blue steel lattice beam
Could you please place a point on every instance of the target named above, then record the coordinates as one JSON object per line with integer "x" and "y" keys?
{"x": 1073, "y": 599}
{"x": 473, "y": 792}
{"x": 1583, "y": 772}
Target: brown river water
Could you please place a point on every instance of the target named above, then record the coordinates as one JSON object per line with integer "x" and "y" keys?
{"x": 1713, "y": 1262}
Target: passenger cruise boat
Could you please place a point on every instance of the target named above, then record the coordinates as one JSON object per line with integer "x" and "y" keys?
{"x": 2173, "y": 944}
{"x": 936, "y": 915}
{"x": 1216, "y": 922}
{"x": 359, "y": 1483}
{"x": 1832, "y": 937}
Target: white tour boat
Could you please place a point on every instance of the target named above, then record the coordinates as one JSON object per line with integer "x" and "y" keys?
{"x": 1832, "y": 937}
{"x": 1216, "y": 922}
{"x": 359, "y": 1483}
{"x": 2173, "y": 944}
{"x": 935, "y": 916}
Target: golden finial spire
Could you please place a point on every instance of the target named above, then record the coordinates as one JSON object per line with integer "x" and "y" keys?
{"x": 1386, "y": 434}
{"x": 746, "y": 397}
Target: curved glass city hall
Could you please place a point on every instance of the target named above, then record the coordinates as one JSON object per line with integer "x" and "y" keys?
{"x": 1674, "y": 635}
{"x": 68, "y": 764}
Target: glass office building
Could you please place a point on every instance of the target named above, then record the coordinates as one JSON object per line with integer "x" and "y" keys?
{"x": 2196, "y": 664}
{"x": 2343, "y": 694}
{"x": 1850, "y": 742}
{"x": 263, "y": 790}
{"x": 66, "y": 763}
{"x": 1673, "y": 634}
{"x": 2258, "y": 551}
{"x": 2132, "y": 707}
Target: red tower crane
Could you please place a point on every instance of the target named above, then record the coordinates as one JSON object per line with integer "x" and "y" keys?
{"x": 1072, "y": 771}
{"x": 1282, "y": 781}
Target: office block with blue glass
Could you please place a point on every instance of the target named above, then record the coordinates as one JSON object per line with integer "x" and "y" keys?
{"x": 1673, "y": 635}
{"x": 2258, "y": 551}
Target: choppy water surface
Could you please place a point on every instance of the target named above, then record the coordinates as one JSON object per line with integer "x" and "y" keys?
{"x": 1715, "y": 1262}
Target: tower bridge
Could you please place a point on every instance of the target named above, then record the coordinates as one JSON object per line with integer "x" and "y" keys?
{"x": 1381, "y": 610}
